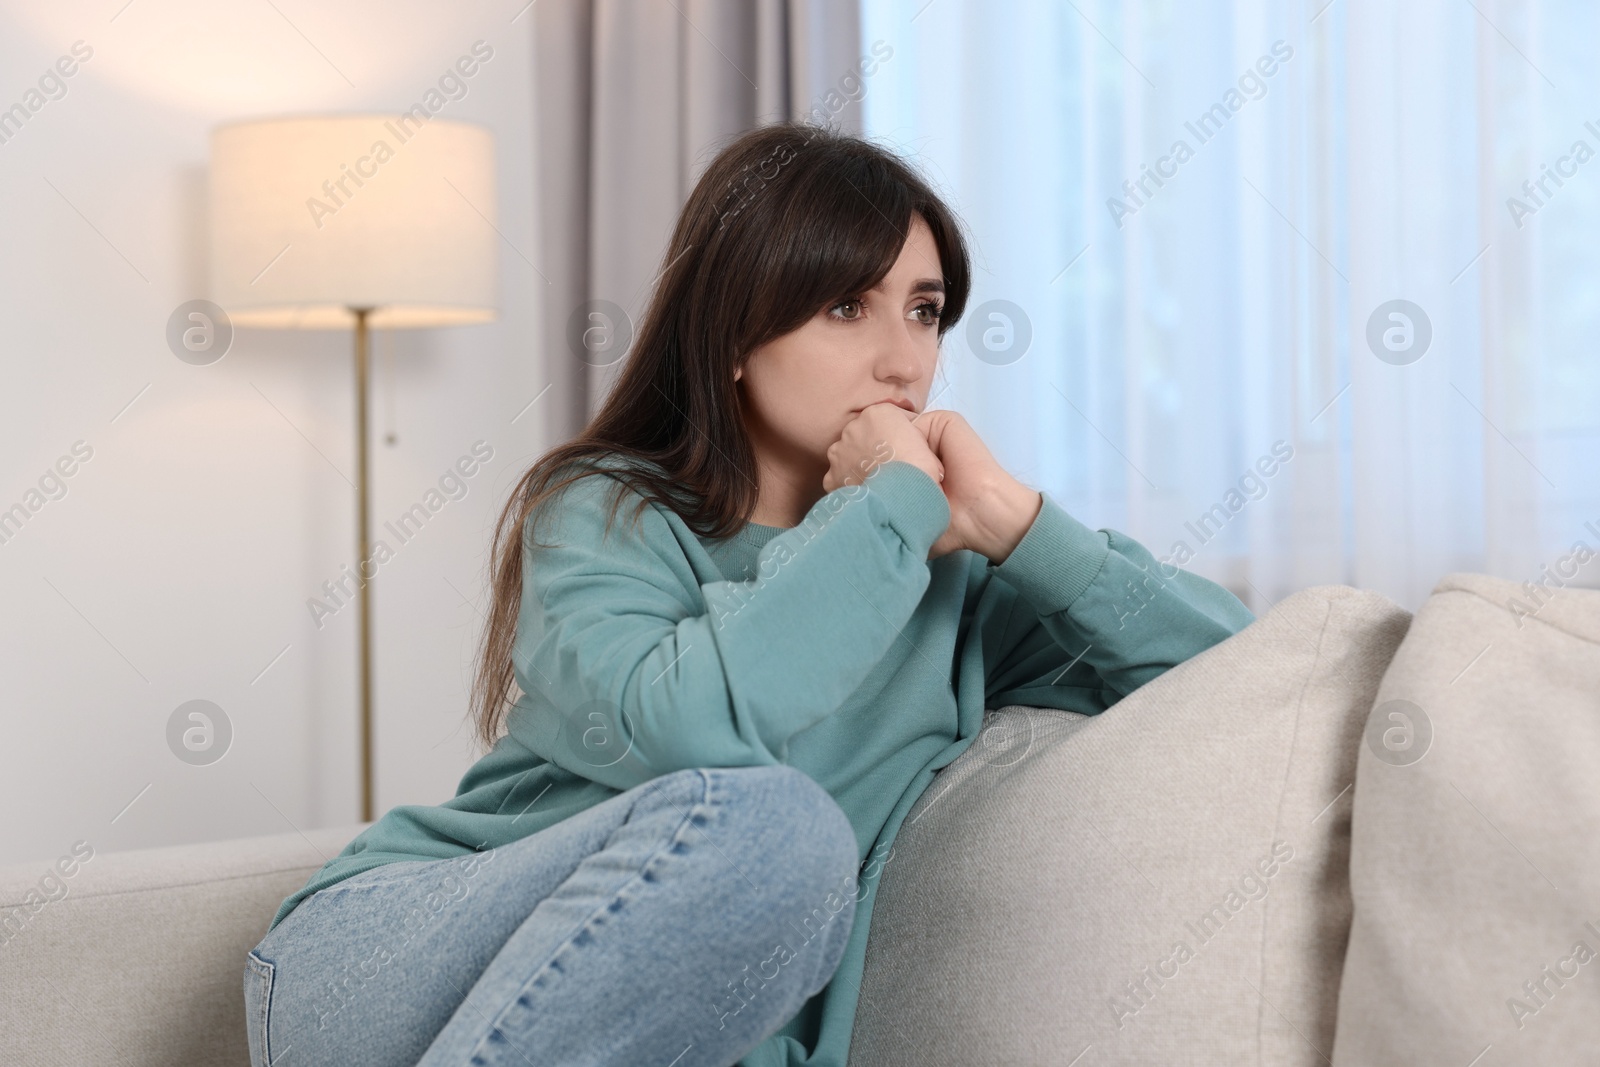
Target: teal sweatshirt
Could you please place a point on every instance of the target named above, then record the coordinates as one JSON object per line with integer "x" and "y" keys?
{"x": 836, "y": 647}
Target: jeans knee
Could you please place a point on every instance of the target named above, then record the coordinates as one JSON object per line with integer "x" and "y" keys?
{"x": 793, "y": 820}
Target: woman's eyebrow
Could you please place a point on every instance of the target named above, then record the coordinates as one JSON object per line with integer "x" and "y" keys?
{"x": 921, "y": 285}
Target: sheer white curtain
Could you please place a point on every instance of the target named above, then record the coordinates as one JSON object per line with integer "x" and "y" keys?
{"x": 1204, "y": 214}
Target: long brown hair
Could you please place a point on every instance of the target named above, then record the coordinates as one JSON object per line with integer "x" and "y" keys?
{"x": 789, "y": 218}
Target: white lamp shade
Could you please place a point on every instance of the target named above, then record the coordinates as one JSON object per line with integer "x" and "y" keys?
{"x": 313, "y": 216}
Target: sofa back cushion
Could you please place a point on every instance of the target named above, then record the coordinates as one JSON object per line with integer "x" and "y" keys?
{"x": 1165, "y": 882}
{"x": 1476, "y": 860}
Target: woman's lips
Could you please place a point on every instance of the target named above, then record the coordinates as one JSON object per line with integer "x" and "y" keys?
{"x": 901, "y": 403}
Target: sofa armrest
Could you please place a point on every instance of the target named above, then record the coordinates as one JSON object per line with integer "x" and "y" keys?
{"x": 1162, "y": 883}
{"x": 138, "y": 957}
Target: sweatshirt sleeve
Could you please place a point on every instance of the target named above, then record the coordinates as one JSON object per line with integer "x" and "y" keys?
{"x": 631, "y": 668}
{"x": 1084, "y": 617}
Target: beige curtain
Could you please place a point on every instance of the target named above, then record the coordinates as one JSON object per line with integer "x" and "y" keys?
{"x": 633, "y": 99}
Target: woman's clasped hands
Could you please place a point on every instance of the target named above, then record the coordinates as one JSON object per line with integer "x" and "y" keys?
{"x": 990, "y": 511}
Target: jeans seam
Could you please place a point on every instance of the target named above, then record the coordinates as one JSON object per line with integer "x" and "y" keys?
{"x": 522, "y": 991}
{"x": 265, "y": 974}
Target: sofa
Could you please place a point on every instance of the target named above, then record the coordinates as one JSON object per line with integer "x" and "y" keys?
{"x": 1346, "y": 835}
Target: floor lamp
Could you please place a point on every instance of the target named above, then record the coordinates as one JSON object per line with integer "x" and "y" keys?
{"x": 354, "y": 221}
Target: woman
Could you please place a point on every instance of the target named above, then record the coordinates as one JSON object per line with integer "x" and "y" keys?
{"x": 724, "y": 707}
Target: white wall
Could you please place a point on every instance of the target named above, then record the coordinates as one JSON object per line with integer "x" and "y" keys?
{"x": 179, "y": 563}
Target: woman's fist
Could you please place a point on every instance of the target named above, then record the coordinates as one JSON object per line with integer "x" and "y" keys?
{"x": 879, "y": 434}
{"x": 990, "y": 511}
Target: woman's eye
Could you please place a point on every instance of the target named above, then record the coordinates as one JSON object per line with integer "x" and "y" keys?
{"x": 930, "y": 311}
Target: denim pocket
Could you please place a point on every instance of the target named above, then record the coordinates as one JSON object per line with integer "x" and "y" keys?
{"x": 258, "y": 1007}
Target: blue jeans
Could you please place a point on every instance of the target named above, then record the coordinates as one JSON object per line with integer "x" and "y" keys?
{"x": 643, "y": 931}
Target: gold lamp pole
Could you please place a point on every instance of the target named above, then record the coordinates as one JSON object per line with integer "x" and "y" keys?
{"x": 363, "y": 549}
{"x": 387, "y": 218}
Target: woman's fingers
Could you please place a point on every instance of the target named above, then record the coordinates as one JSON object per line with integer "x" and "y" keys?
{"x": 879, "y": 434}
{"x": 931, "y": 423}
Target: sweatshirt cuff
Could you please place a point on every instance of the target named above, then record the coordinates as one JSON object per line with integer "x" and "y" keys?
{"x": 1055, "y": 561}
{"x": 914, "y": 502}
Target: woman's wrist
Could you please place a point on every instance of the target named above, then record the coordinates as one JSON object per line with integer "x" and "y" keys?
{"x": 1003, "y": 517}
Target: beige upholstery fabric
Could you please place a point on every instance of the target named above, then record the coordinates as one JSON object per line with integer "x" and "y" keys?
{"x": 1039, "y": 890}
{"x": 141, "y": 962}
{"x": 1476, "y": 862}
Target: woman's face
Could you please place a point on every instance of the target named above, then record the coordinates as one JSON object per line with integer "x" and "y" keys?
{"x": 800, "y": 389}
